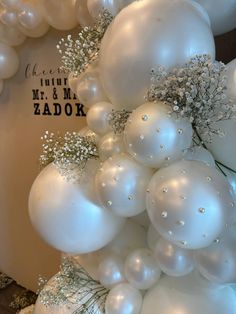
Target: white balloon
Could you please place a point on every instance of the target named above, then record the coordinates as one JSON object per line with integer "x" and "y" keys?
{"x": 123, "y": 299}
{"x": 30, "y": 16}
{"x": 222, "y": 14}
{"x": 231, "y": 80}
{"x": 13, "y": 4}
{"x": 96, "y": 6}
{"x": 201, "y": 154}
{"x": 131, "y": 237}
{"x": 82, "y": 13}
{"x": 154, "y": 136}
{"x": 11, "y": 36}
{"x": 175, "y": 31}
{"x": 111, "y": 271}
{"x": 67, "y": 214}
{"x": 8, "y": 17}
{"x": 9, "y": 61}
{"x": 190, "y": 204}
{"x": 1, "y": 86}
{"x": 141, "y": 269}
{"x": 188, "y": 295}
{"x": 59, "y": 14}
{"x": 37, "y": 31}
{"x": 109, "y": 145}
{"x": 173, "y": 260}
{"x": 121, "y": 183}
{"x": 98, "y": 117}
{"x": 152, "y": 237}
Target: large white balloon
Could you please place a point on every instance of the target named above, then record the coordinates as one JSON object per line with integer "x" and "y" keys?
{"x": 67, "y": 214}
{"x": 188, "y": 295}
{"x": 11, "y": 36}
{"x": 154, "y": 136}
{"x": 121, "y": 184}
{"x": 189, "y": 203}
{"x": 9, "y": 61}
{"x": 222, "y": 14}
{"x": 175, "y": 31}
{"x": 60, "y": 14}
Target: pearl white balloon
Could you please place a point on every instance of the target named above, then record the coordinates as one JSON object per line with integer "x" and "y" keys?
{"x": 9, "y": 61}
{"x": 8, "y": 17}
{"x": 109, "y": 145}
{"x": 11, "y": 36}
{"x": 188, "y": 295}
{"x": 60, "y": 14}
{"x": 190, "y": 203}
{"x": 222, "y": 14}
{"x": 152, "y": 237}
{"x": 231, "y": 80}
{"x": 201, "y": 154}
{"x": 67, "y": 214}
{"x": 154, "y": 137}
{"x": 89, "y": 88}
{"x": 141, "y": 269}
{"x": 1, "y": 86}
{"x": 173, "y": 260}
{"x": 82, "y": 13}
{"x": 123, "y": 299}
{"x": 30, "y": 16}
{"x": 175, "y": 31}
{"x": 36, "y": 32}
{"x": 98, "y": 117}
{"x": 96, "y": 6}
{"x": 121, "y": 184}
{"x": 111, "y": 271}
{"x": 131, "y": 237}
{"x": 218, "y": 261}
{"x": 87, "y": 132}
{"x": 13, "y": 4}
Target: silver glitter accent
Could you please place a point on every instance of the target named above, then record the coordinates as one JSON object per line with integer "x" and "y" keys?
{"x": 209, "y": 179}
{"x": 202, "y": 210}
{"x": 145, "y": 117}
{"x": 181, "y": 223}
{"x": 103, "y": 184}
{"x": 109, "y": 203}
{"x": 130, "y": 197}
{"x": 165, "y": 190}
{"x": 183, "y": 243}
{"x": 180, "y": 131}
{"x": 170, "y": 232}
{"x": 217, "y": 240}
{"x": 141, "y": 137}
{"x": 164, "y": 214}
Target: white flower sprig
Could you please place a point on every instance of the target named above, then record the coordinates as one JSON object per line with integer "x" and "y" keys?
{"x": 69, "y": 153}
{"x": 78, "y": 53}
{"x": 197, "y": 91}
{"x": 117, "y": 120}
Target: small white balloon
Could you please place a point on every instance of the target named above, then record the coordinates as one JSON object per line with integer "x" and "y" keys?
{"x": 9, "y": 61}
{"x": 141, "y": 269}
{"x": 98, "y": 117}
{"x": 201, "y": 154}
{"x": 68, "y": 215}
{"x": 190, "y": 203}
{"x": 123, "y": 299}
{"x": 109, "y": 145}
{"x": 11, "y": 36}
{"x": 8, "y": 17}
{"x": 152, "y": 237}
{"x": 95, "y": 7}
{"x": 30, "y": 16}
{"x": 121, "y": 184}
{"x": 222, "y": 14}
{"x": 173, "y": 260}
{"x": 155, "y": 136}
{"x": 111, "y": 271}
{"x": 82, "y": 13}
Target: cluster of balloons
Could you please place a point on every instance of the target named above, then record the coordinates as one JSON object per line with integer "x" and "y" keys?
{"x": 155, "y": 221}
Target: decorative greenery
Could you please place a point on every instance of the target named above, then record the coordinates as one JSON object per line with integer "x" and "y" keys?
{"x": 69, "y": 153}
{"x": 74, "y": 285}
{"x": 118, "y": 119}
{"x": 197, "y": 91}
{"x": 79, "y": 53}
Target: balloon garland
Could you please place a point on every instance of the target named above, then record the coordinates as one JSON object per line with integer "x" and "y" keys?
{"x": 157, "y": 101}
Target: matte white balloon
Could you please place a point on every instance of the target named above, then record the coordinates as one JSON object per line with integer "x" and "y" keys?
{"x": 89, "y": 88}
{"x": 11, "y": 36}
{"x": 190, "y": 203}
{"x": 60, "y": 14}
{"x": 154, "y": 136}
{"x": 152, "y": 237}
{"x": 231, "y": 80}
{"x": 9, "y": 61}
{"x": 141, "y": 269}
{"x": 109, "y": 145}
{"x": 121, "y": 184}
{"x": 1, "y": 86}
{"x": 96, "y": 6}
{"x": 131, "y": 237}
{"x": 123, "y": 299}
{"x": 8, "y": 17}
{"x": 98, "y": 117}
{"x": 173, "y": 260}
{"x": 82, "y": 13}
{"x": 218, "y": 261}
{"x": 201, "y": 154}
{"x": 188, "y": 295}
{"x": 175, "y": 31}
{"x": 30, "y": 16}
{"x": 67, "y": 214}
{"x": 222, "y": 14}
{"x": 111, "y": 271}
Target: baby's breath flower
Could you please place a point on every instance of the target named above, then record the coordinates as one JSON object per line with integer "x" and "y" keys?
{"x": 118, "y": 119}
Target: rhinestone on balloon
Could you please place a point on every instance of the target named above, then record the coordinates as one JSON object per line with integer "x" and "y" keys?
{"x": 154, "y": 135}
{"x": 190, "y": 203}
{"x": 121, "y": 184}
